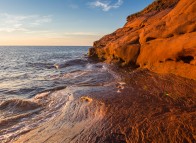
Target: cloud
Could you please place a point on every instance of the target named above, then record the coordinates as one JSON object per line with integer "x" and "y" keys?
{"x": 106, "y": 5}
{"x": 41, "y": 20}
{"x": 24, "y": 23}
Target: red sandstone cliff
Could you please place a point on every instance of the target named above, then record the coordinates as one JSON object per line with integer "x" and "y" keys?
{"x": 161, "y": 38}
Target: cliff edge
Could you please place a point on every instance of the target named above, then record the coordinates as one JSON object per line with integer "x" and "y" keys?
{"x": 161, "y": 38}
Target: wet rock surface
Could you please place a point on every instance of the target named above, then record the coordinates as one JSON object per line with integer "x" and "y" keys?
{"x": 142, "y": 107}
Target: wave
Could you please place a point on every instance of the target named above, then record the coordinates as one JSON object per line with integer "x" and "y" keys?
{"x": 18, "y": 104}
{"x": 40, "y": 65}
{"x": 73, "y": 109}
{"x": 63, "y": 105}
{"x": 21, "y": 115}
{"x": 45, "y": 65}
{"x": 75, "y": 62}
{"x": 68, "y": 103}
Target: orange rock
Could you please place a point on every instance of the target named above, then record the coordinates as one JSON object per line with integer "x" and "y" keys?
{"x": 161, "y": 38}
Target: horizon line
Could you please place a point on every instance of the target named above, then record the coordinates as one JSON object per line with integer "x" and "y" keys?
{"x": 46, "y": 45}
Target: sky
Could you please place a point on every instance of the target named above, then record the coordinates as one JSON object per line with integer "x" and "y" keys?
{"x": 62, "y": 22}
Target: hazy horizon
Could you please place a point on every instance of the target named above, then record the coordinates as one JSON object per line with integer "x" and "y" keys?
{"x": 63, "y": 22}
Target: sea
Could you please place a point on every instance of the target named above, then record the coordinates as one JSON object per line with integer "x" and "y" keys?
{"x": 28, "y": 76}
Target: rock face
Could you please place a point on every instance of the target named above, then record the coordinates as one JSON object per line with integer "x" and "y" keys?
{"x": 161, "y": 38}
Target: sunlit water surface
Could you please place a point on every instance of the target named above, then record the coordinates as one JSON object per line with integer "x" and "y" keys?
{"x": 30, "y": 75}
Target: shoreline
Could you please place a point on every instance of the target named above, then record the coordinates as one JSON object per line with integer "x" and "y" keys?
{"x": 150, "y": 108}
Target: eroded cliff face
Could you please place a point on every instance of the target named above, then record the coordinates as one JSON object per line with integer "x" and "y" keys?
{"x": 161, "y": 38}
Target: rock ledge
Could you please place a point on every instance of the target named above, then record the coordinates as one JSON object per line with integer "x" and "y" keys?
{"x": 161, "y": 38}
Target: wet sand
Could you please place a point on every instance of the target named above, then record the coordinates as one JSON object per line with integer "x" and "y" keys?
{"x": 142, "y": 107}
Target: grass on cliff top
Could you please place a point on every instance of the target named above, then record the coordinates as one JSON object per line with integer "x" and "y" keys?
{"x": 157, "y": 5}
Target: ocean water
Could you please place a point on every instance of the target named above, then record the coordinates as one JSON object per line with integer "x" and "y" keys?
{"x": 31, "y": 81}
{"x": 26, "y": 71}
